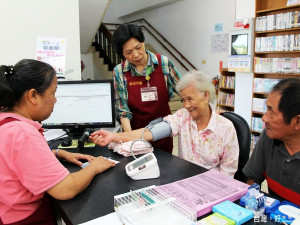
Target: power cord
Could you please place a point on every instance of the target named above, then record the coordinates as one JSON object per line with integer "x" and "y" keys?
{"x": 143, "y": 140}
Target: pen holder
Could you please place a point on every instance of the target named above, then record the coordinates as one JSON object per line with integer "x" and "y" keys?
{"x": 148, "y": 206}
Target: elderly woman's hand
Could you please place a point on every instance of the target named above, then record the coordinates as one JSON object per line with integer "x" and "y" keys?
{"x": 102, "y": 137}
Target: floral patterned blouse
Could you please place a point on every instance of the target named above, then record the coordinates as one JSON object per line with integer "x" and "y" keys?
{"x": 215, "y": 147}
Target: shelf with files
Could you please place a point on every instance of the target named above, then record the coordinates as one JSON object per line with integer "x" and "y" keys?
{"x": 276, "y": 52}
{"x": 269, "y": 6}
{"x": 226, "y": 90}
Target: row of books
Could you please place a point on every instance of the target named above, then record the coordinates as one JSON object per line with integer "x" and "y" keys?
{"x": 257, "y": 124}
{"x": 292, "y": 2}
{"x": 227, "y": 81}
{"x": 278, "y": 43}
{"x": 264, "y": 85}
{"x": 254, "y": 139}
{"x": 277, "y": 65}
{"x": 259, "y": 105}
{"x": 278, "y": 21}
{"x": 226, "y": 99}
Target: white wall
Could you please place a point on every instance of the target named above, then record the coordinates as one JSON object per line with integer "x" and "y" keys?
{"x": 244, "y": 81}
{"x": 91, "y": 13}
{"x": 188, "y": 25}
{"x": 245, "y": 9}
{"x": 22, "y": 22}
{"x": 130, "y": 7}
{"x": 88, "y": 72}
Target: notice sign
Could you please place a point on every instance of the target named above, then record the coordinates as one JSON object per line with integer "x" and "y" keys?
{"x": 53, "y": 52}
{"x": 219, "y": 43}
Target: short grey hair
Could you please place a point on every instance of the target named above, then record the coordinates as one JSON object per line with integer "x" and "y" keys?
{"x": 201, "y": 80}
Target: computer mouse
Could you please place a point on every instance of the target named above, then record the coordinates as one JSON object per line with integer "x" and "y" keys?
{"x": 66, "y": 142}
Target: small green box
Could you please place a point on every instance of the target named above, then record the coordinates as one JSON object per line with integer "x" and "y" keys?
{"x": 215, "y": 219}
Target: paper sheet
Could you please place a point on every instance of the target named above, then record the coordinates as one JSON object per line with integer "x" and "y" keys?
{"x": 205, "y": 190}
{"x": 54, "y": 133}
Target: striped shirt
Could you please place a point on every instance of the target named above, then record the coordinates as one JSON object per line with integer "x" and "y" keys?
{"x": 171, "y": 76}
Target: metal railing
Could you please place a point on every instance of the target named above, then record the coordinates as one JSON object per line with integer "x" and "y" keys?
{"x": 103, "y": 44}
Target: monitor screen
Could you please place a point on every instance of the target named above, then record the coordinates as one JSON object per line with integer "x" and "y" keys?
{"x": 239, "y": 44}
{"x": 83, "y": 104}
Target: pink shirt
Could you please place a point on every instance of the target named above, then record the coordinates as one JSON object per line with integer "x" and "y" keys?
{"x": 215, "y": 147}
{"x": 28, "y": 168}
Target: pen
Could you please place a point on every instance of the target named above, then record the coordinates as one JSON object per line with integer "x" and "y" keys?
{"x": 150, "y": 200}
{"x": 119, "y": 216}
{"x": 138, "y": 198}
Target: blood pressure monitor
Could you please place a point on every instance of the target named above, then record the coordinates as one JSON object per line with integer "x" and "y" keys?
{"x": 144, "y": 167}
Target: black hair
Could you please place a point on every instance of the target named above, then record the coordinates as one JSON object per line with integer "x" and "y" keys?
{"x": 123, "y": 33}
{"x": 289, "y": 103}
{"x": 25, "y": 75}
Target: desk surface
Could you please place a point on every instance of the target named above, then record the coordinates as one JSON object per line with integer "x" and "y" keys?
{"x": 98, "y": 199}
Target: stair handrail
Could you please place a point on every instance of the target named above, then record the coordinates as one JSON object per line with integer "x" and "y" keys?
{"x": 106, "y": 32}
{"x": 142, "y": 19}
{"x": 164, "y": 46}
{"x": 103, "y": 44}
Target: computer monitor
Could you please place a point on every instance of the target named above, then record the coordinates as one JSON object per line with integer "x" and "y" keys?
{"x": 81, "y": 105}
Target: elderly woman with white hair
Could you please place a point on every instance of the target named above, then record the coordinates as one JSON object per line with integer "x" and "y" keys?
{"x": 205, "y": 137}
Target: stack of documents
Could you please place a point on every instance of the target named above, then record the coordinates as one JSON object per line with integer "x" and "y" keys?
{"x": 54, "y": 134}
{"x": 205, "y": 190}
{"x": 146, "y": 206}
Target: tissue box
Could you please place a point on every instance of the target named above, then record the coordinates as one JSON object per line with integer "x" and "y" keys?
{"x": 233, "y": 211}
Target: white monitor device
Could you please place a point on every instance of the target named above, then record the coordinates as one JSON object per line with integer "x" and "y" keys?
{"x": 83, "y": 104}
{"x": 144, "y": 167}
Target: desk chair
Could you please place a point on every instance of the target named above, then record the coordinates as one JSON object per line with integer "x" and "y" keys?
{"x": 244, "y": 139}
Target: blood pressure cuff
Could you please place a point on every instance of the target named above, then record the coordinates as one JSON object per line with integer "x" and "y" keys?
{"x": 160, "y": 130}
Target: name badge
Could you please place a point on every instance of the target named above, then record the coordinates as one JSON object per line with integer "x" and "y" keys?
{"x": 149, "y": 94}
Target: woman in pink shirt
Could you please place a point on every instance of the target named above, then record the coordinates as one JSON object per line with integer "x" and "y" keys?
{"x": 205, "y": 137}
{"x": 29, "y": 169}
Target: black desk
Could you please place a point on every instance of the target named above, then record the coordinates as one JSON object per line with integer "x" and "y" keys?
{"x": 98, "y": 199}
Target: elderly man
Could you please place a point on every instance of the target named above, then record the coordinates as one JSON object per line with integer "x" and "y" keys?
{"x": 276, "y": 156}
{"x": 205, "y": 138}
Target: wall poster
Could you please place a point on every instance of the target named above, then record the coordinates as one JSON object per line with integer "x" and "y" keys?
{"x": 52, "y": 51}
{"x": 219, "y": 43}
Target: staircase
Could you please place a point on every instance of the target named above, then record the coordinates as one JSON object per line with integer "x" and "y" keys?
{"x": 101, "y": 69}
{"x": 103, "y": 44}
{"x": 105, "y": 59}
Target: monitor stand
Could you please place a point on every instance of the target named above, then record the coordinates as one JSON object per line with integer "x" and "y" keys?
{"x": 81, "y": 135}
{"x": 75, "y": 133}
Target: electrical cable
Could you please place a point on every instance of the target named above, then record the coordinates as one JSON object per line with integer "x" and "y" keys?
{"x": 143, "y": 140}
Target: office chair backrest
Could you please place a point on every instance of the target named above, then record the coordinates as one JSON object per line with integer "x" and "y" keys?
{"x": 244, "y": 139}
